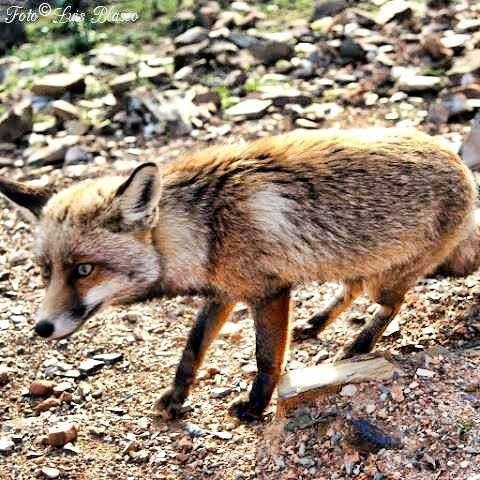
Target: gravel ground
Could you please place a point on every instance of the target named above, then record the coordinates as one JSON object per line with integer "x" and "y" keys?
{"x": 118, "y": 437}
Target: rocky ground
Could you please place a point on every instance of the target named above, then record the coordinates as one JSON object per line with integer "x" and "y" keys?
{"x": 218, "y": 75}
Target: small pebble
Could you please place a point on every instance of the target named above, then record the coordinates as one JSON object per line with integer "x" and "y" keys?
{"x": 423, "y": 372}
{"x": 49, "y": 472}
{"x": 348, "y": 390}
{"x": 61, "y": 434}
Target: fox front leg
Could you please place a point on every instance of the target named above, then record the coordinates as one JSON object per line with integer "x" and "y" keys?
{"x": 272, "y": 324}
{"x": 208, "y": 323}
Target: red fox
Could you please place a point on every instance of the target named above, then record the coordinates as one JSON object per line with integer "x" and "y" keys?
{"x": 373, "y": 210}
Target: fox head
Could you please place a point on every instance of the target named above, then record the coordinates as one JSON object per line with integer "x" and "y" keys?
{"x": 93, "y": 244}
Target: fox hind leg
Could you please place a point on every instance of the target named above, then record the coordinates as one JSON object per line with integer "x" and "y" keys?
{"x": 208, "y": 323}
{"x": 272, "y": 323}
{"x": 342, "y": 299}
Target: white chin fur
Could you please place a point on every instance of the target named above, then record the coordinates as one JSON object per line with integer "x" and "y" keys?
{"x": 63, "y": 326}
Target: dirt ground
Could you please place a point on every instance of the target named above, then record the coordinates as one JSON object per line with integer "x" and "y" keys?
{"x": 436, "y": 416}
{"x": 118, "y": 437}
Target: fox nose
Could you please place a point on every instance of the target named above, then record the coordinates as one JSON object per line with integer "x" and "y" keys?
{"x": 44, "y": 328}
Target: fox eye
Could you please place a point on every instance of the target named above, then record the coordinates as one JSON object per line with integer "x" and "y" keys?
{"x": 46, "y": 272}
{"x": 83, "y": 269}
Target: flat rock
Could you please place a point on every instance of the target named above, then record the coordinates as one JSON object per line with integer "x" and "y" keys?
{"x": 280, "y": 96}
{"x": 469, "y": 63}
{"x": 90, "y": 365}
{"x": 6, "y": 444}
{"x": 65, "y": 110}
{"x": 122, "y": 83}
{"x": 325, "y": 376}
{"x": 16, "y": 122}
{"x": 49, "y": 472}
{"x": 57, "y": 84}
{"x": 192, "y": 35}
{"x": 54, "y": 153}
{"x": 48, "y": 404}
{"x": 418, "y": 83}
{"x": 109, "y": 357}
{"x": 393, "y": 10}
{"x": 249, "y": 108}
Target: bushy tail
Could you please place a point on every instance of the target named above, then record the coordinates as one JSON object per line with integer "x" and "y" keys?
{"x": 465, "y": 258}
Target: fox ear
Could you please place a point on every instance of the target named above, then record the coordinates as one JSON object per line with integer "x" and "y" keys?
{"x": 30, "y": 200}
{"x": 138, "y": 196}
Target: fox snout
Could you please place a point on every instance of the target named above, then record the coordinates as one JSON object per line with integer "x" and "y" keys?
{"x": 44, "y": 328}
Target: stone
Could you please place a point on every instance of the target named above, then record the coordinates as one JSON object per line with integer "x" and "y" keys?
{"x": 328, "y": 8}
{"x": 281, "y": 95}
{"x": 65, "y": 110}
{"x": 192, "y": 35}
{"x": 57, "y": 84}
{"x": 307, "y": 383}
{"x": 90, "y": 365}
{"x": 206, "y": 14}
{"x": 52, "y": 154}
{"x": 117, "y": 56}
{"x": 188, "y": 54}
{"x": 348, "y": 391}
{"x": 109, "y": 358}
{"x": 352, "y": 50}
{"x": 49, "y": 472}
{"x": 366, "y": 437}
{"x": 423, "y": 372}
{"x": 470, "y": 150}
{"x": 158, "y": 75}
{"x": 417, "y": 83}
{"x": 270, "y": 51}
{"x": 41, "y": 388}
{"x": 6, "y": 444}
{"x": 393, "y": 10}
{"x": 47, "y": 125}
{"x": 469, "y": 63}
{"x": 468, "y": 25}
{"x": 76, "y": 155}
{"x": 61, "y": 434}
{"x": 16, "y": 122}
{"x": 122, "y": 83}
{"x": 48, "y": 404}
{"x": 396, "y": 393}
{"x": 5, "y": 374}
{"x": 250, "y": 108}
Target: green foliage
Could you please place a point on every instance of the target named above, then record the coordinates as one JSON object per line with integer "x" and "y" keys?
{"x": 464, "y": 427}
{"x": 226, "y": 98}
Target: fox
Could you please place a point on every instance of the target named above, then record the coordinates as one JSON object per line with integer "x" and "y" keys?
{"x": 370, "y": 209}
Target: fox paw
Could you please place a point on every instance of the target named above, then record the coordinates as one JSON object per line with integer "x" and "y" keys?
{"x": 167, "y": 406}
{"x": 304, "y": 333}
{"x": 244, "y": 412}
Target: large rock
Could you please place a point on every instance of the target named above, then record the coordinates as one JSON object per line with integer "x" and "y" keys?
{"x": 328, "y": 8}
{"x": 270, "y": 51}
{"x": 57, "y": 84}
{"x": 54, "y": 153}
{"x": 16, "y": 122}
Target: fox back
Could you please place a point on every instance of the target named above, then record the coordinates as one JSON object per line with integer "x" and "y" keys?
{"x": 242, "y": 221}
